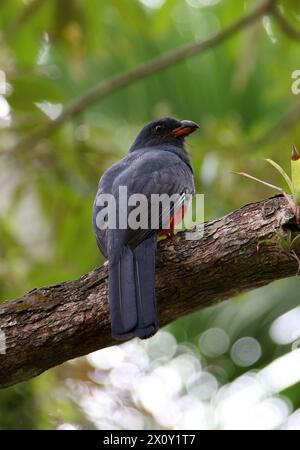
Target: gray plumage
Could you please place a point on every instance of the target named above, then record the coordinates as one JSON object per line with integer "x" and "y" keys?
{"x": 157, "y": 164}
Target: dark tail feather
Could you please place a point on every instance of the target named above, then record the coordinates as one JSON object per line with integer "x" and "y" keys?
{"x": 132, "y": 292}
{"x": 122, "y": 303}
{"x": 144, "y": 265}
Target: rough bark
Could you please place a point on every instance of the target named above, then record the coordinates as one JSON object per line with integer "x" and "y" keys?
{"x": 50, "y": 325}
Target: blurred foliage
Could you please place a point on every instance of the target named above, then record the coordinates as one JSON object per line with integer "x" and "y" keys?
{"x": 240, "y": 93}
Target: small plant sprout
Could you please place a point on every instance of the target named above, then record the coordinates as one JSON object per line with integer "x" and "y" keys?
{"x": 285, "y": 240}
{"x": 293, "y": 195}
{"x": 295, "y": 163}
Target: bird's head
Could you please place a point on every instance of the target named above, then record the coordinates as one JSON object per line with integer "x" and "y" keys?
{"x": 167, "y": 131}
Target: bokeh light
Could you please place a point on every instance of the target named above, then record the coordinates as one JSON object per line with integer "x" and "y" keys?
{"x": 214, "y": 342}
{"x": 245, "y": 351}
{"x": 172, "y": 390}
{"x": 286, "y": 328}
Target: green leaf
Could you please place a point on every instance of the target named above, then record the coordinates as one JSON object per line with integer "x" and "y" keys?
{"x": 295, "y": 168}
{"x": 295, "y": 240}
{"x": 246, "y": 175}
{"x": 283, "y": 173}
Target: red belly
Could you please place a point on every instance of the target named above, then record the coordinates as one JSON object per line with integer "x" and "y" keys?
{"x": 175, "y": 219}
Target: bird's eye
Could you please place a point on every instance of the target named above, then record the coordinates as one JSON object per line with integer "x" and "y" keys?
{"x": 159, "y": 128}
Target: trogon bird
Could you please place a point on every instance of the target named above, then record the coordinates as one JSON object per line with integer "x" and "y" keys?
{"x": 157, "y": 163}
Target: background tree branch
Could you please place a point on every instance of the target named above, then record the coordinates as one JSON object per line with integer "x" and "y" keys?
{"x": 51, "y": 325}
{"x": 285, "y": 26}
{"x": 103, "y": 89}
{"x": 26, "y": 13}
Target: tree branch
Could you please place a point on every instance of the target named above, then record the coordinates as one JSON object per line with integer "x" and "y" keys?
{"x": 26, "y": 13}
{"x": 285, "y": 26}
{"x": 51, "y": 325}
{"x": 142, "y": 71}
